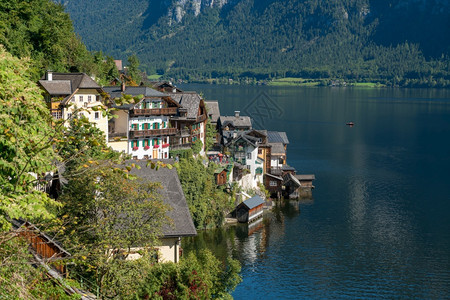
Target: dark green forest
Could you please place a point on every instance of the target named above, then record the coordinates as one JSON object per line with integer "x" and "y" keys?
{"x": 394, "y": 42}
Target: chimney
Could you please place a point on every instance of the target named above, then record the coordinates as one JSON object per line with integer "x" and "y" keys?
{"x": 122, "y": 86}
{"x": 236, "y": 113}
{"x": 49, "y": 75}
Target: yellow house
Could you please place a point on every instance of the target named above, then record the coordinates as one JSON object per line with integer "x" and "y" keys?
{"x": 67, "y": 94}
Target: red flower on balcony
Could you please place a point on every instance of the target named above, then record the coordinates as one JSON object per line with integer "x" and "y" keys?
{"x": 146, "y": 147}
{"x": 135, "y": 148}
{"x": 156, "y": 146}
{"x": 165, "y": 145}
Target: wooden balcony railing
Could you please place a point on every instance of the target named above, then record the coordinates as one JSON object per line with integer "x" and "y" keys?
{"x": 201, "y": 118}
{"x": 152, "y": 132}
{"x": 154, "y": 111}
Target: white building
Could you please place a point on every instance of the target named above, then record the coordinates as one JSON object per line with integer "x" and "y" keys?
{"x": 67, "y": 94}
{"x": 142, "y": 129}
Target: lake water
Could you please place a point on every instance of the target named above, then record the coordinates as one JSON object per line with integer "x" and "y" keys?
{"x": 378, "y": 225}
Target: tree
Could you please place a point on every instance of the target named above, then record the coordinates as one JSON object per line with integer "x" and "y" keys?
{"x": 105, "y": 214}
{"x": 210, "y": 135}
{"x": 207, "y": 203}
{"x": 26, "y": 144}
{"x": 133, "y": 69}
{"x": 198, "y": 276}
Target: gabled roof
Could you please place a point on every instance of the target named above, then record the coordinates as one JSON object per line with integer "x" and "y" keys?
{"x": 188, "y": 100}
{"x": 236, "y": 121}
{"x": 59, "y": 85}
{"x": 116, "y": 91}
{"x": 213, "y": 110}
{"x": 247, "y": 138}
{"x": 277, "y": 149}
{"x": 274, "y": 177}
{"x": 288, "y": 177}
{"x": 277, "y": 137}
{"x": 302, "y": 177}
{"x": 171, "y": 194}
{"x": 253, "y": 202}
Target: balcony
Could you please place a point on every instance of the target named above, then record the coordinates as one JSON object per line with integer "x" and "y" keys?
{"x": 180, "y": 146}
{"x": 154, "y": 111}
{"x": 201, "y": 118}
{"x": 152, "y": 132}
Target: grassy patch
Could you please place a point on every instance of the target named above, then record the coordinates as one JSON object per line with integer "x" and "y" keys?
{"x": 367, "y": 84}
{"x": 153, "y": 77}
{"x": 291, "y": 81}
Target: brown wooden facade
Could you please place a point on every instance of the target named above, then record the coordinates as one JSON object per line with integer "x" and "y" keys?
{"x": 44, "y": 246}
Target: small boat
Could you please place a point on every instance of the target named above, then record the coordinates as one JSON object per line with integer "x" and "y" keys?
{"x": 350, "y": 124}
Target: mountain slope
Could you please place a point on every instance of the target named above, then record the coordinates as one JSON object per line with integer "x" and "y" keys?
{"x": 260, "y": 38}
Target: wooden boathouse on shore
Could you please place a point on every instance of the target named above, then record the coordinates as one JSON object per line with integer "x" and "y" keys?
{"x": 250, "y": 210}
{"x": 44, "y": 246}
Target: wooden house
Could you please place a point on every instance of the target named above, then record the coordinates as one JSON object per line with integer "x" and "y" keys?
{"x": 190, "y": 121}
{"x": 292, "y": 186}
{"x": 250, "y": 210}
{"x": 221, "y": 176}
{"x": 306, "y": 182}
{"x": 274, "y": 185}
{"x": 43, "y": 246}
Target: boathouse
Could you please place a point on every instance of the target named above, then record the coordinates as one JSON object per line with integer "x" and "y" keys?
{"x": 46, "y": 248}
{"x": 250, "y": 210}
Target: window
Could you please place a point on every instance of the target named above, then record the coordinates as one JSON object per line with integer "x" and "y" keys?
{"x": 69, "y": 115}
{"x": 259, "y": 151}
{"x": 97, "y": 98}
{"x": 85, "y": 104}
{"x": 57, "y": 114}
{"x": 135, "y": 157}
{"x": 273, "y": 183}
{"x": 96, "y": 115}
{"x": 134, "y": 126}
{"x": 80, "y": 99}
{"x": 249, "y": 155}
{"x": 89, "y": 99}
{"x": 145, "y": 156}
{"x": 165, "y": 154}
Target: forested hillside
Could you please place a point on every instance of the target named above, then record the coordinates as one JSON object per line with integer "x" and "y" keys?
{"x": 397, "y": 42}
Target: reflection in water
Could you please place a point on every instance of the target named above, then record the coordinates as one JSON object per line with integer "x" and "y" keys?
{"x": 379, "y": 225}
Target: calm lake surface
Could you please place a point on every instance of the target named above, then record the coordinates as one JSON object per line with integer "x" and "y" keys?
{"x": 378, "y": 225}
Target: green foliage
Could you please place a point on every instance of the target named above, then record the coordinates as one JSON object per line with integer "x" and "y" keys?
{"x": 197, "y": 146}
{"x": 207, "y": 203}
{"x": 19, "y": 278}
{"x": 210, "y": 135}
{"x": 249, "y": 41}
{"x": 26, "y": 141}
{"x": 83, "y": 142}
{"x": 106, "y": 213}
{"x": 198, "y": 276}
{"x": 133, "y": 69}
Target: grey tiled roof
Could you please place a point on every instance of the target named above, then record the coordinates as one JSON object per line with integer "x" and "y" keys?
{"x": 277, "y": 137}
{"x": 305, "y": 177}
{"x": 213, "y": 109}
{"x": 228, "y": 137}
{"x": 116, "y": 91}
{"x": 172, "y": 195}
{"x": 77, "y": 81}
{"x": 239, "y": 122}
{"x": 57, "y": 87}
{"x": 253, "y": 202}
{"x": 189, "y": 101}
{"x": 277, "y": 149}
